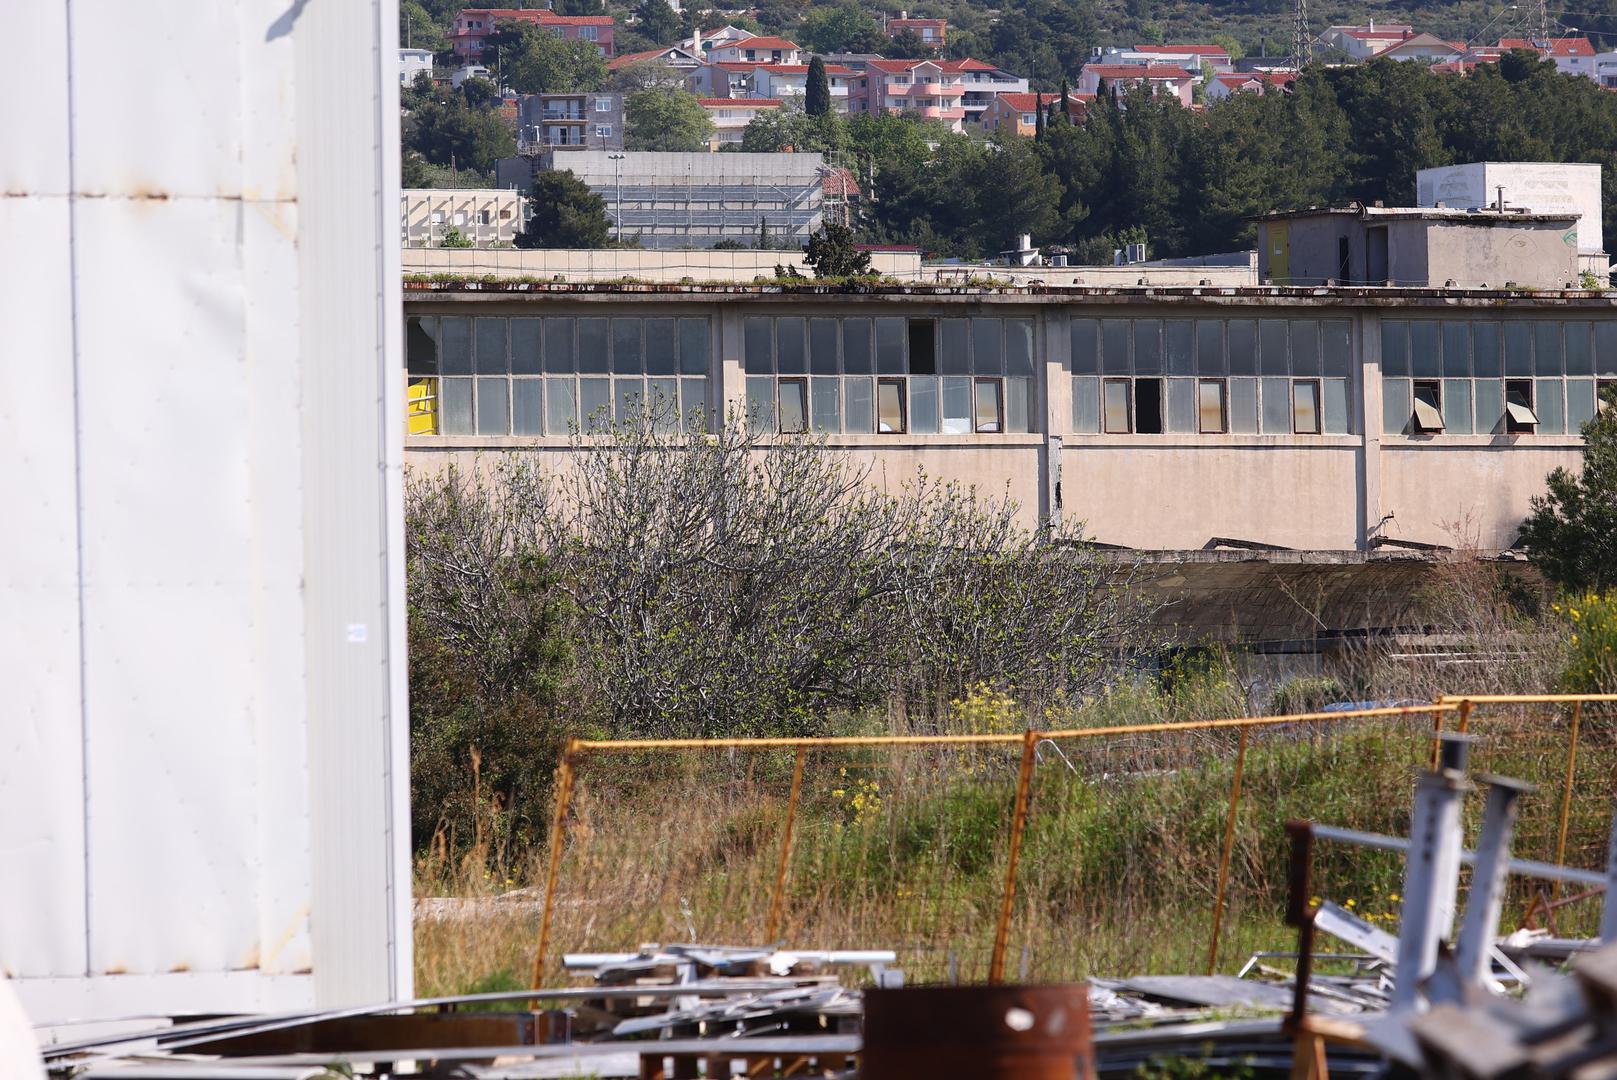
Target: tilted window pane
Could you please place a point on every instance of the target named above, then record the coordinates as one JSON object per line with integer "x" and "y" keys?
{"x": 528, "y": 406}
{"x": 695, "y": 347}
{"x": 630, "y": 400}
{"x": 662, "y": 347}
{"x": 595, "y": 404}
{"x": 1457, "y": 406}
{"x": 793, "y": 409}
{"x": 856, "y": 346}
{"x": 455, "y": 345}
{"x": 759, "y": 346}
{"x": 1337, "y": 335}
{"x": 1550, "y": 406}
{"x": 1489, "y": 406}
{"x": 492, "y": 357}
{"x": 1017, "y": 393}
{"x": 593, "y": 358}
{"x": 1241, "y": 337}
{"x": 1182, "y": 405}
{"x": 1427, "y": 408}
{"x": 1518, "y": 349}
{"x": 561, "y": 406}
{"x": 789, "y": 357}
{"x": 761, "y": 403}
{"x": 1178, "y": 344}
{"x": 1485, "y": 360}
{"x": 1336, "y": 406}
{"x": 525, "y": 347}
{"x": 421, "y": 346}
{"x": 826, "y": 404}
{"x": 1273, "y": 357}
{"x": 1244, "y": 406}
{"x": 1085, "y": 404}
{"x": 1304, "y": 347}
{"x": 956, "y": 406}
{"x": 1019, "y": 347}
{"x": 1305, "y": 407}
{"x": 924, "y": 405}
{"x": 560, "y": 358}
{"x": 1425, "y": 349}
{"x": 1394, "y": 348}
{"x": 662, "y": 403}
{"x": 860, "y": 406}
{"x": 823, "y": 335}
{"x": 1114, "y": 356}
{"x": 1547, "y": 359}
{"x": 457, "y": 406}
{"x": 1395, "y": 406}
{"x": 987, "y": 357}
{"x": 693, "y": 404}
{"x": 1210, "y": 359}
{"x": 1116, "y": 409}
{"x": 1579, "y": 359}
{"x": 890, "y": 406}
{"x": 889, "y": 346}
{"x": 989, "y": 414}
{"x": 1277, "y": 406}
{"x": 1210, "y": 407}
{"x": 954, "y": 345}
{"x": 1148, "y": 346}
{"x": 1580, "y": 403}
{"x": 1085, "y": 346}
{"x": 1456, "y": 351}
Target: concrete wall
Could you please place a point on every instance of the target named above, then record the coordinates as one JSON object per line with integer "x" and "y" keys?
{"x": 643, "y": 264}
{"x": 1536, "y": 253}
{"x": 1543, "y": 187}
{"x": 427, "y": 214}
{"x": 1470, "y": 253}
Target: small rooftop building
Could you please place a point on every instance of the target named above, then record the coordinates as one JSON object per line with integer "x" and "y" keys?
{"x": 1414, "y": 247}
{"x": 1543, "y": 187}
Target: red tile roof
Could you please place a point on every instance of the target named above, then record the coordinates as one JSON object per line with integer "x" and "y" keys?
{"x": 626, "y": 59}
{"x": 758, "y": 43}
{"x": 1567, "y": 46}
{"x": 967, "y": 64}
{"x": 740, "y": 103}
{"x": 1026, "y": 102}
{"x": 1137, "y": 71}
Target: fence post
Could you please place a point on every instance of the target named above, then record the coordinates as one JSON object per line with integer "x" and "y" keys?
{"x": 1024, "y": 781}
{"x": 1566, "y": 795}
{"x": 1437, "y": 730}
{"x": 777, "y": 899}
{"x": 1224, "y": 858}
{"x": 558, "y": 826}
{"x": 1465, "y": 716}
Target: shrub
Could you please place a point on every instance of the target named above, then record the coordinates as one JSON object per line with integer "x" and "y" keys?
{"x": 1592, "y": 667}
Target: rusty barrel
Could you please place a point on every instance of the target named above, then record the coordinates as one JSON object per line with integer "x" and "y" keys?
{"x": 977, "y": 1032}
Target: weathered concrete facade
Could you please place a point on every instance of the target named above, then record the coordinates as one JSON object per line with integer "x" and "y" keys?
{"x": 1163, "y": 419}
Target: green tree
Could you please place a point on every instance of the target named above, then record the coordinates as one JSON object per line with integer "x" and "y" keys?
{"x": 666, "y": 120}
{"x": 817, "y": 94}
{"x": 449, "y": 131}
{"x": 536, "y": 61}
{"x": 417, "y": 30}
{"x": 565, "y": 213}
{"x": 845, "y": 27}
{"x": 657, "y": 21}
{"x": 832, "y": 253}
{"x": 646, "y": 75}
{"x": 1572, "y": 533}
{"x": 454, "y": 238}
{"x": 908, "y": 45}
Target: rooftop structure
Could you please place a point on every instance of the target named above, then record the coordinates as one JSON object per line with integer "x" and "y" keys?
{"x": 1548, "y": 187}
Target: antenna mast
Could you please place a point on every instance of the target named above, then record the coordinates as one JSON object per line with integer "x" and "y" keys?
{"x": 1302, "y": 42}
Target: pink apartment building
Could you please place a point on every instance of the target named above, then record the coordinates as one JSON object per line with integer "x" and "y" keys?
{"x": 956, "y": 92}
{"x": 473, "y": 26}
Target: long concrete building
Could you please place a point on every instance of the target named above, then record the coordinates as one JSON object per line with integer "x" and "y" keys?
{"x": 1351, "y": 423}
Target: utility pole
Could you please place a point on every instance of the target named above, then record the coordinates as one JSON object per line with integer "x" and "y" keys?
{"x": 617, "y": 204}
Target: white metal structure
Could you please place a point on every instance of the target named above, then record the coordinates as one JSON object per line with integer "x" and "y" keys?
{"x": 203, "y": 781}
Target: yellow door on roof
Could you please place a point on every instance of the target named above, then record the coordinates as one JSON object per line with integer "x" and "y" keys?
{"x": 1279, "y": 252}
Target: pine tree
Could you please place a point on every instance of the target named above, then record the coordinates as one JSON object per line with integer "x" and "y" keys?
{"x": 1066, "y": 103}
{"x": 1038, "y": 120}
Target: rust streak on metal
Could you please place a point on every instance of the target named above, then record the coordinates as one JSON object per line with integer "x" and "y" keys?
{"x": 558, "y": 825}
{"x": 1224, "y": 857}
{"x": 1566, "y": 794}
{"x": 1024, "y": 782}
{"x": 777, "y": 899}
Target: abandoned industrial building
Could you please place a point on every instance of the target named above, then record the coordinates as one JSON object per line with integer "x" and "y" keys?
{"x": 1323, "y": 419}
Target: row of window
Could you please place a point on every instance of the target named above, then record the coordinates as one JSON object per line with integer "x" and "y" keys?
{"x": 1487, "y": 349}
{"x": 1312, "y": 348}
{"x": 892, "y": 405}
{"x": 888, "y": 346}
{"x": 493, "y": 345}
{"x": 1239, "y": 405}
{"x": 553, "y": 404}
{"x": 1551, "y": 406}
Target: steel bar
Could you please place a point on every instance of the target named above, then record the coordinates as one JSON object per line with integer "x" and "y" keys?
{"x": 1224, "y": 857}
{"x": 1525, "y": 699}
{"x": 777, "y": 898}
{"x": 1608, "y": 914}
{"x": 1002, "y": 930}
{"x": 1566, "y": 793}
{"x": 1486, "y": 899}
{"x": 1525, "y": 867}
{"x": 1431, "y": 879}
{"x": 558, "y": 825}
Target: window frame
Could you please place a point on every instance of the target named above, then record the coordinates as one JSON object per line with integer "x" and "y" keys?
{"x": 1434, "y": 387}
{"x": 1319, "y": 407}
{"x": 800, "y": 383}
{"x": 998, "y": 384}
{"x": 1513, "y": 426}
{"x": 1127, "y": 384}
{"x": 1222, "y": 386}
{"x": 899, "y": 385}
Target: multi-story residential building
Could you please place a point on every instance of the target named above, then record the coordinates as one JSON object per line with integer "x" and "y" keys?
{"x": 575, "y": 121}
{"x": 791, "y": 81}
{"x": 1018, "y": 113}
{"x": 413, "y": 62}
{"x": 726, "y": 80}
{"x": 1224, "y": 84}
{"x": 954, "y": 91}
{"x": 703, "y": 42}
{"x": 473, "y": 26}
{"x": 732, "y": 115}
{"x": 1190, "y": 57}
{"x": 1162, "y": 78}
{"x": 1363, "y": 42}
{"x": 1572, "y": 55}
{"x": 933, "y": 32}
{"x": 756, "y": 50}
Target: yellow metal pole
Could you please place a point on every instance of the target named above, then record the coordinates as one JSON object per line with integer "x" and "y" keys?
{"x": 1566, "y": 794}
{"x": 1437, "y": 730}
{"x": 1224, "y": 859}
{"x": 1024, "y": 782}
{"x": 777, "y": 899}
{"x": 1465, "y": 716}
{"x": 558, "y": 825}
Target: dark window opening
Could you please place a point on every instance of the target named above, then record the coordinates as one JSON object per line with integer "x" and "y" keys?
{"x": 923, "y": 347}
{"x": 1148, "y": 406}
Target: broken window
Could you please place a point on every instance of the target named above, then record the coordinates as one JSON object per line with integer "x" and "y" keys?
{"x": 1115, "y": 410}
{"x": 1305, "y": 407}
{"x": 1210, "y": 415}
{"x": 1519, "y": 416}
{"x": 1428, "y": 406}
{"x": 890, "y": 406}
{"x": 923, "y": 347}
{"x": 1148, "y": 406}
{"x": 793, "y": 406}
{"x": 989, "y": 406}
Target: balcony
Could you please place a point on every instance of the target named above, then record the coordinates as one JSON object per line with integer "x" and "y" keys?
{"x": 564, "y": 114}
{"x": 941, "y": 112}
{"x": 935, "y": 89}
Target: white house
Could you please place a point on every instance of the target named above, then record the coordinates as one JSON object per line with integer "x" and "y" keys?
{"x": 413, "y": 62}
{"x": 1363, "y": 42}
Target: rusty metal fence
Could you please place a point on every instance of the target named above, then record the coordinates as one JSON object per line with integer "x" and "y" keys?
{"x": 1036, "y": 855}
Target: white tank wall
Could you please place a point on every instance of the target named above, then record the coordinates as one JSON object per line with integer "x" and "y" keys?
{"x": 1542, "y": 187}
